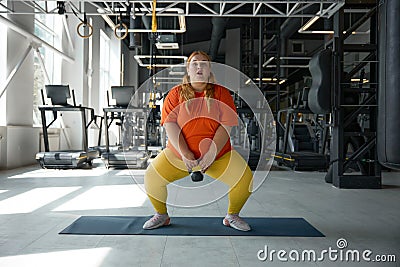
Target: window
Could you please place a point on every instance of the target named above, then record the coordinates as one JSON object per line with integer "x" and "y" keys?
{"x": 3, "y": 71}
{"x": 3, "y": 52}
{"x": 47, "y": 28}
{"x": 104, "y": 78}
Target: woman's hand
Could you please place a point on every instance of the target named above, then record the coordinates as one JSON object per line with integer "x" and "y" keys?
{"x": 208, "y": 158}
{"x": 189, "y": 160}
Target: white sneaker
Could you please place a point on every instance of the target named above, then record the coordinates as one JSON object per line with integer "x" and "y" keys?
{"x": 234, "y": 221}
{"x": 156, "y": 221}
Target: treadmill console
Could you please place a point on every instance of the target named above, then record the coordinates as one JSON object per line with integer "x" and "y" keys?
{"x": 122, "y": 95}
{"x": 58, "y": 94}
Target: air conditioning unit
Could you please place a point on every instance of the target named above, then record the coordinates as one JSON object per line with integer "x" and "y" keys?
{"x": 167, "y": 41}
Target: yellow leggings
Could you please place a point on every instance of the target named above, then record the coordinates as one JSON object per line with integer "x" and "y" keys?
{"x": 231, "y": 169}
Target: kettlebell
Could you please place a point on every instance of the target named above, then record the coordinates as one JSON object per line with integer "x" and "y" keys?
{"x": 196, "y": 176}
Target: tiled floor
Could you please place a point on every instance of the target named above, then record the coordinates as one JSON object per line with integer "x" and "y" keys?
{"x": 36, "y": 204}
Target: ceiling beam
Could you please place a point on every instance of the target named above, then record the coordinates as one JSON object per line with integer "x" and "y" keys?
{"x": 201, "y": 8}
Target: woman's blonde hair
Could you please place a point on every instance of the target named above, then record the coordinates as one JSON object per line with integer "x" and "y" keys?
{"x": 187, "y": 92}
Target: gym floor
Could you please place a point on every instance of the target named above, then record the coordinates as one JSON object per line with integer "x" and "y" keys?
{"x": 36, "y": 204}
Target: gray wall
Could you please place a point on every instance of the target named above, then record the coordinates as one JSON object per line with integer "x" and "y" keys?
{"x": 19, "y": 94}
{"x": 19, "y": 140}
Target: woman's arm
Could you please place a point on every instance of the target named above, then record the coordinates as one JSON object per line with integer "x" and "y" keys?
{"x": 178, "y": 141}
{"x": 221, "y": 136}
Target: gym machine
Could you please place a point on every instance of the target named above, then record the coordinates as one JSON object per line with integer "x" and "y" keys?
{"x": 132, "y": 150}
{"x": 66, "y": 159}
{"x": 301, "y": 149}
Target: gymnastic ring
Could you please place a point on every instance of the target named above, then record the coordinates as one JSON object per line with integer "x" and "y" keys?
{"x": 84, "y": 24}
{"x": 117, "y": 27}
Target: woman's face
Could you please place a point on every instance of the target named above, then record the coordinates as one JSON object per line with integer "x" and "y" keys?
{"x": 199, "y": 69}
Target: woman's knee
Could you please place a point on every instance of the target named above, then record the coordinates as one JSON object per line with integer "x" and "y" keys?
{"x": 150, "y": 177}
{"x": 162, "y": 172}
{"x": 245, "y": 183}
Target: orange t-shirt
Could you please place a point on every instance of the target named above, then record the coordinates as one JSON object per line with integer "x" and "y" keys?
{"x": 199, "y": 118}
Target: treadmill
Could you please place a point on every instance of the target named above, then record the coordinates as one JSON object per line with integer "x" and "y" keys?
{"x": 101, "y": 148}
{"x": 65, "y": 159}
{"x": 132, "y": 153}
{"x": 304, "y": 156}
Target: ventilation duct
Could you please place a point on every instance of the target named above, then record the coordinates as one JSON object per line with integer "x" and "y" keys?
{"x": 218, "y": 31}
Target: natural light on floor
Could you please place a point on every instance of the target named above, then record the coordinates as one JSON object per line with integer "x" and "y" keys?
{"x": 46, "y": 173}
{"x": 33, "y": 199}
{"x": 92, "y": 257}
{"x": 106, "y": 197}
{"x": 2, "y": 191}
{"x": 130, "y": 172}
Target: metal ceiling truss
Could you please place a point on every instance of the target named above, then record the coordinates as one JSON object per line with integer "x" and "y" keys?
{"x": 200, "y": 8}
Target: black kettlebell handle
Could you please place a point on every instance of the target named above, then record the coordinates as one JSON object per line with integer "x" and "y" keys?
{"x": 196, "y": 176}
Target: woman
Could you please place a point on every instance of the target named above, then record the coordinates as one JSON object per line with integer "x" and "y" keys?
{"x": 198, "y": 116}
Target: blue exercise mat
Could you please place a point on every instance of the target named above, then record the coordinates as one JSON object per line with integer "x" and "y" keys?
{"x": 190, "y": 226}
